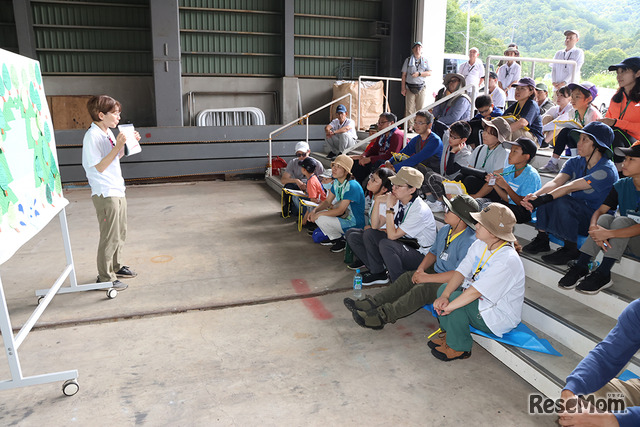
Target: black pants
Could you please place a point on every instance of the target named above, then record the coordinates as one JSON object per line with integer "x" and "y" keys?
{"x": 564, "y": 140}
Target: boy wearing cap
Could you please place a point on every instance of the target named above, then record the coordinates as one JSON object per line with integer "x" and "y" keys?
{"x": 413, "y": 289}
{"x": 414, "y": 72}
{"x": 509, "y": 74}
{"x": 613, "y": 235}
{"x": 524, "y": 115}
{"x": 492, "y": 278}
{"x": 407, "y": 216}
{"x": 379, "y": 150}
{"x": 565, "y": 204}
{"x": 498, "y": 96}
{"x": 344, "y": 206}
{"x": 582, "y": 112}
{"x": 292, "y": 177}
{"x": 489, "y": 156}
{"x": 457, "y": 108}
{"x": 340, "y": 134}
{"x": 542, "y": 98}
{"x": 562, "y": 74}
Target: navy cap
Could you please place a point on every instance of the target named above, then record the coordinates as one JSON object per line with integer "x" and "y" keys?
{"x": 341, "y": 109}
{"x": 598, "y": 131}
{"x": 528, "y": 146}
{"x": 632, "y": 63}
{"x": 526, "y": 81}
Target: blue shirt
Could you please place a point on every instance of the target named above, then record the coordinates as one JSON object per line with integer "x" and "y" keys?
{"x": 526, "y": 183}
{"x": 497, "y": 112}
{"x": 628, "y": 196}
{"x": 456, "y": 251}
{"x": 608, "y": 358}
{"x": 350, "y": 190}
{"x": 429, "y": 154}
{"x": 601, "y": 178}
{"x": 531, "y": 113}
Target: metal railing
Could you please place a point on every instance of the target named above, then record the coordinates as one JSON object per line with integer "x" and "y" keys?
{"x": 386, "y": 95}
{"x": 467, "y": 89}
{"x": 297, "y": 121}
{"x": 533, "y": 64}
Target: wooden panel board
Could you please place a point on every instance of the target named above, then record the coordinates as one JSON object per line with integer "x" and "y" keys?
{"x": 69, "y": 112}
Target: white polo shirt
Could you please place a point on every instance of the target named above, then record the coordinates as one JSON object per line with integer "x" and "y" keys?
{"x": 95, "y": 146}
{"x": 472, "y": 73}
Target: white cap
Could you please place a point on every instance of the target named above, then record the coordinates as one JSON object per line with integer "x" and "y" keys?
{"x": 302, "y": 146}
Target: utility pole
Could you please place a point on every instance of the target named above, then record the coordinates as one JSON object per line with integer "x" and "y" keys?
{"x": 466, "y": 50}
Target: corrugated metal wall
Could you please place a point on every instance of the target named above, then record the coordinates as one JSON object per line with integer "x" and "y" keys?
{"x": 8, "y": 36}
{"x": 336, "y": 38}
{"x": 106, "y": 37}
{"x": 226, "y": 37}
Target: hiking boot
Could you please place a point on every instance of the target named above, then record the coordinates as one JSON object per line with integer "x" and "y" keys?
{"x": 594, "y": 283}
{"x": 126, "y": 272}
{"x": 119, "y": 286}
{"x": 369, "y": 319}
{"x": 572, "y": 276}
{"x": 338, "y": 245}
{"x": 550, "y": 167}
{"x": 539, "y": 244}
{"x": 360, "y": 304}
{"x": 439, "y": 340}
{"x": 369, "y": 278}
{"x": 447, "y": 354}
{"x": 356, "y": 264}
{"x": 562, "y": 256}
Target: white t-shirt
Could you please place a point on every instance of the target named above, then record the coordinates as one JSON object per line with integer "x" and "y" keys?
{"x": 501, "y": 283}
{"x": 499, "y": 98}
{"x": 563, "y": 72}
{"x": 555, "y": 111}
{"x": 488, "y": 160}
{"x": 418, "y": 223}
{"x": 508, "y": 74}
{"x": 472, "y": 73}
{"x": 95, "y": 146}
{"x": 335, "y": 125}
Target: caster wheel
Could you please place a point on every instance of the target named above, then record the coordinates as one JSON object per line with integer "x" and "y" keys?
{"x": 70, "y": 387}
{"x": 40, "y": 298}
{"x": 112, "y": 293}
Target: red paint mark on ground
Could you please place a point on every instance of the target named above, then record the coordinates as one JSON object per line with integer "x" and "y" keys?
{"x": 315, "y": 306}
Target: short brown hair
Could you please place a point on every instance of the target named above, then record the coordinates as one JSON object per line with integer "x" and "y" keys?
{"x": 101, "y": 104}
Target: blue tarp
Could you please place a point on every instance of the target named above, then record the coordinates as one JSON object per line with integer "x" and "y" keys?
{"x": 521, "y": 336}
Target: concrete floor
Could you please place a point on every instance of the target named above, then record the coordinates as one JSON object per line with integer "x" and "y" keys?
{"x": 215, "y": 330}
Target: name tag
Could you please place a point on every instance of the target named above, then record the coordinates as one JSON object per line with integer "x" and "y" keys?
{"x": 444, "y": 256}
{"x": 634, "y": 215}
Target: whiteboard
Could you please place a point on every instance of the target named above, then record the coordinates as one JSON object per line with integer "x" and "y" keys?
{"x": 30, "y": 186}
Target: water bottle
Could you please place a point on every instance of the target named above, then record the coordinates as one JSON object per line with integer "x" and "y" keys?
{"x": 593, "y": 265}
{"x": 357, "y": 285}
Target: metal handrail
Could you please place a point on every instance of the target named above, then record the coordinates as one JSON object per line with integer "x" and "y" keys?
{"x": 298, "y": 121}
{"x": 470, "y": 88}
{"x": 533, "y": 64}
{"x": 388, "y": 79}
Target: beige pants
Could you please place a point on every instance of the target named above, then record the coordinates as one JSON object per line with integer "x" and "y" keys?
{"x": 112, "y": 219}
{"x": 630, "y": 389}
{"x": 414, "y": 102}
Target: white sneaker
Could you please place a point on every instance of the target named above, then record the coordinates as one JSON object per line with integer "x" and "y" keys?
{"x": 550, "y": 167}
{"x": 436, "y": 206}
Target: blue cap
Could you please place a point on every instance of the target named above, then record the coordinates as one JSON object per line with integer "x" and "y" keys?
{"x": 599, "y": 132}
{"x": 341, "y": 109}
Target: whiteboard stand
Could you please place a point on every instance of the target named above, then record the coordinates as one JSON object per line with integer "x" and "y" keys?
{"x": 12, "y": 343}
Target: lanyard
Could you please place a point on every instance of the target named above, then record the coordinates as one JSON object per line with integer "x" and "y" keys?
{"x": 516, "y": 111}
{"x": 513, "y": 171}
{"x": 451, "y": 238}
{"x": 578, "y": 119}
{"x": 404, "y": 210}
{"x": 446, "y": 157}
{"x": 480, "y": 267}
{"x": 489, "y": 153}
{"x": 625, "y": 110}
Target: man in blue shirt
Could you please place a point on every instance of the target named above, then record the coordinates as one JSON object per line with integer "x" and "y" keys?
{"x": 425, "y": 148}
{"x": 413, "y": 289}
{"x": 511, "y": 185}
{"x": 565, "y": 204}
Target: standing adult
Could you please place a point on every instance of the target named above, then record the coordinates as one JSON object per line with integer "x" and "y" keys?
{"x": 562, "y": 74}
{"x": 509, "y": 74}
{"x": 340, "y": 134}
{"x": 472, "y": 70}
{"x": 101, "y": 153}
{"x": 414, "y": 71}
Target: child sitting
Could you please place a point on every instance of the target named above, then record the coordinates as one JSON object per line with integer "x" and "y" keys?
{"x": 511, "y": 185}
{"x": 314, "y": 190}
{"x": 486, "y": 110}
{"x": 612, "y": 235}
{"x": 583, "y": 112}
{"x": 455, "y": 152}
{"x": 414, "y": 289}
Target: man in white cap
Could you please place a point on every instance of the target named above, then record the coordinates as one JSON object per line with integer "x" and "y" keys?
{"x": 472, "y": 70}
{"x": 292, "y": 177}
{"x": 562, "y": 74}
